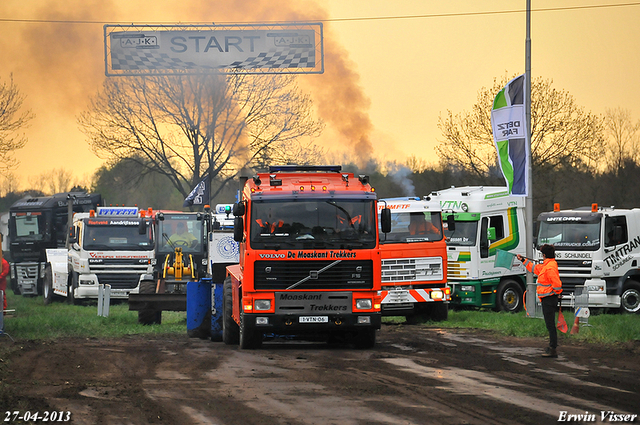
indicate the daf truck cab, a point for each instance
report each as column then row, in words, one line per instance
column 114, row 246
column 597, row 250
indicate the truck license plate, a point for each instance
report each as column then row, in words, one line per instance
column 314, row 319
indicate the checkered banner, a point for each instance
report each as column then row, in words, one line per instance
column 157, row 50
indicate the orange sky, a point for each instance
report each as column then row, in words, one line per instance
column 405, row 71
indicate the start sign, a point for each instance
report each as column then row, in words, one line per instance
column 184, row 49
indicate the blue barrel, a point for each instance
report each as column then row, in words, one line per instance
column 216, row 312
column 198, row 308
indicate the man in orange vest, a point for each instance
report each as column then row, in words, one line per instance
column 420, row 226
column 549, row 290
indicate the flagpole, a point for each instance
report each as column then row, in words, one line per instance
column 529, row 199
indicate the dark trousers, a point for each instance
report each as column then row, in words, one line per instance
column 549, row 307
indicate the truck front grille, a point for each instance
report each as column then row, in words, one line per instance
column 344, row 274
column 412, row 269
column 27, row 272
column 573, row 273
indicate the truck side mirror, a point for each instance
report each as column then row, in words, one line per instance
column 491, row 234
column 238, row 209
column 73, row 238
column 238, row 229
column 451, row 223
column 142, row 227
column 385, row 220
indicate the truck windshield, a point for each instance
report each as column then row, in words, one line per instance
column 313, row 223
column 578, row 236
column 180, row 231
column 124, row 237
column 464, row 235
column 29, row 226
column 414, row 227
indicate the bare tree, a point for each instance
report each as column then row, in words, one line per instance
column 11, row 121
column 416, row 165
column 189, row 127
column 291, row 152
column 562, row 133
column 623, row 139
column 57, row 180
column 8, row 183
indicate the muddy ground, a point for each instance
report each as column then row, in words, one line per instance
column 415, row 375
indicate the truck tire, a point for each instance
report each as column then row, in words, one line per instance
column 149, row 316
column 509, row 296
column 230, row 330
column 47, row 286
column 365, row 338
column 630, row 298
column 250, row 338
column 439, row 312
column 71, row 299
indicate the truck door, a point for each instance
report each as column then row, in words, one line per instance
column 615, row 231
column 496, row 222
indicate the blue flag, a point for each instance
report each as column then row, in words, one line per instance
column 199, row 195
column 508, row 120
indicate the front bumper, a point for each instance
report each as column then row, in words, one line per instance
column 291, row 323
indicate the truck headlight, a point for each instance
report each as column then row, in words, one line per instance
column 468, row 288
column 595, row 288
column 364, row 304
column 436, row 295
column 262, row 305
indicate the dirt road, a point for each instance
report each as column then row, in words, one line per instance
column 414, row 375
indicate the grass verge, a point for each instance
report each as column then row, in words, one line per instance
column 601, row 328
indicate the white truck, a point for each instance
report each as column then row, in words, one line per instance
column 597, row 250
column 478, row 221
column 114, row 245
column 414, row 260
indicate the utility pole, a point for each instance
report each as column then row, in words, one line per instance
column 531, row 287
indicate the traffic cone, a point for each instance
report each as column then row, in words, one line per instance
column 562, row 324
column 576, row 326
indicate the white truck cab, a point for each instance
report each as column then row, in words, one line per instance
column 597, row 250
column 114, row 245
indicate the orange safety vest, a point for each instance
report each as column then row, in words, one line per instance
column 422, row 228
column 548, row 282
column 354, row 220
column 271, row 227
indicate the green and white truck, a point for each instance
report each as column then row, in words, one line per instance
column 477, row 222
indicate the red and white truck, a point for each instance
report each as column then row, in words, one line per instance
column 414, row 260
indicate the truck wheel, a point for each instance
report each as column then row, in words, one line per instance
column 250, row 338
column 149, row 316
column 47, row 286
column 365, row 338
column 630, row 298
column 509, row 297
column 439, row 312
column 230, row 330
